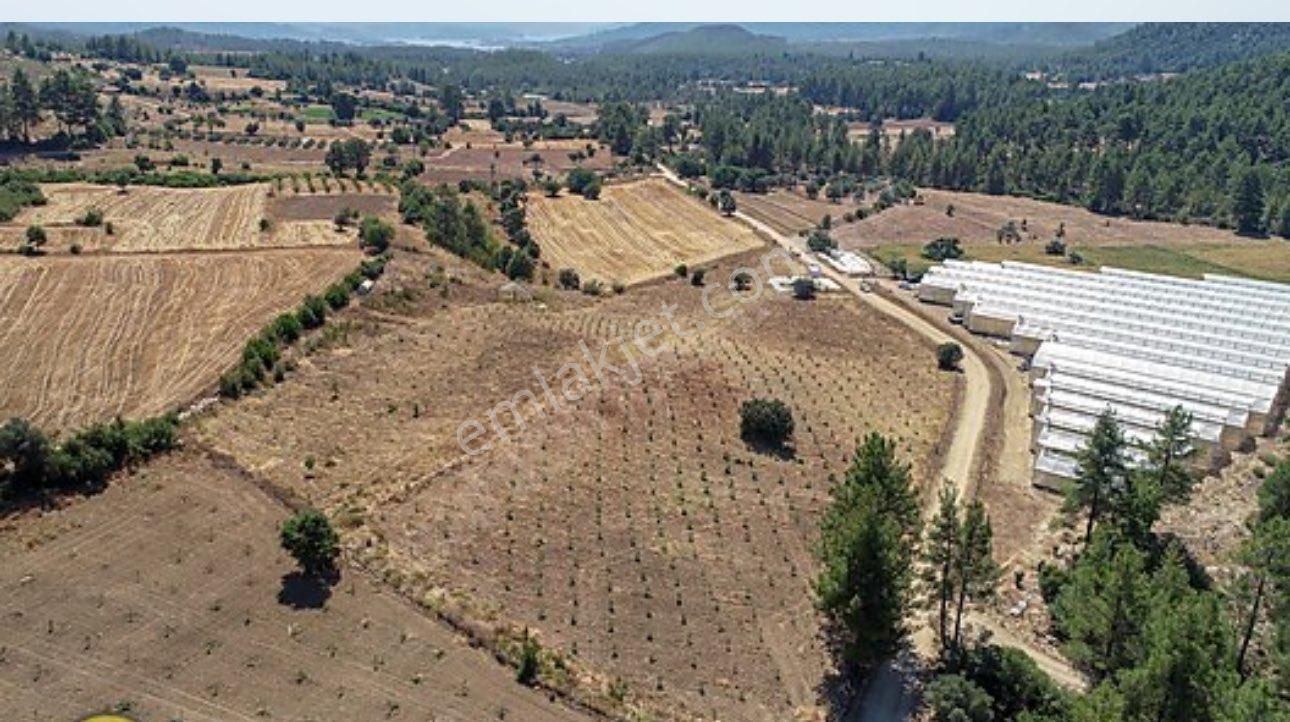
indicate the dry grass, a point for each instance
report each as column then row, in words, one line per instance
column 790, row 212
column 92, row 337
column 635, row 232
column 1184, row 250
column 630, row 528
column 168, row 595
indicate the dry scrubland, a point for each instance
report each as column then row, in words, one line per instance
column 203, row 620
column 631, row 529
column 1177, row 249
column 635, row 232
column 94, row 336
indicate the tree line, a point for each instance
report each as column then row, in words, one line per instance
column 1160, row 640
column 68, row 97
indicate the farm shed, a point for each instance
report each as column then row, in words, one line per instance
column 1137, row 343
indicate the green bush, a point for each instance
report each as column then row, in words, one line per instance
column 765, row 421
column 943, row 249
column 948, row 356
column 337, row 296
column 310, row 539
column 286, row 328
column 313, row 312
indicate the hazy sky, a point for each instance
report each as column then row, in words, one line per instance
column 677, row 10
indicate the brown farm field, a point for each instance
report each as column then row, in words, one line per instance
column 91, row 337
column 166, row 597
column 508, row 160
column 152, row 219
column 626, row 526
column 635, row 232
column 1184, row 250
column 789, row 212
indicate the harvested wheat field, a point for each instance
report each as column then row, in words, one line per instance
column 626, row 525
column 635, row 232
column 91, row 337
column 167, row 597
column 148, row 219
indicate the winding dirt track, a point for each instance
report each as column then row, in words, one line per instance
column 890, row 694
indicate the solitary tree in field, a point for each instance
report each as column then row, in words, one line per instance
column 765, row 421
column 726, row 203
column 948, row 356
column 309, row 538
column 36, row 238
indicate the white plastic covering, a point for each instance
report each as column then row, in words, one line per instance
column 1136, row 343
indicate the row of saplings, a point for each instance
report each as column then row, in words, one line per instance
column 262, row 356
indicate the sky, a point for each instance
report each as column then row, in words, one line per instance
column 655, row 10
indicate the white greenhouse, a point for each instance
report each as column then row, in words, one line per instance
column 1137, row 343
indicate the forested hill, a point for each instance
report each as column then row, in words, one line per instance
column 1173, row 48
column 1212, row 145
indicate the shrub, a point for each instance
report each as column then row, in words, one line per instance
column 681, row 270
column 765, row 421
column 374, row 234
column 264, row 225
column 820, row 241
column 260, row 351
column 337, row 296
column 592, row 190
column 286, row 328
column 696, row 278
column 36, row 237
column 743, row 281
column 526, row 672
column 93, row 217
column 803, row 288
column 1055, row 247
column 313, row 312
column 568, row 279
column 593, row 288
column 310, row 539
column 948, row 356
column 956, row 699
column 942, row 249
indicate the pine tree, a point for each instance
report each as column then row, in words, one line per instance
column 1247, row 201
column 25, row 105
column 1168, row 456
column 940, row 553
column 1101, row 609
column 866, row 548
column 1103, row 467
column 975, row 571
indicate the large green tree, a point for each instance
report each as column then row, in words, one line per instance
column 866, row 548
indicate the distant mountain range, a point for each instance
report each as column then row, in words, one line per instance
column 642, row 37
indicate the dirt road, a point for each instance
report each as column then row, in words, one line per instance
column 891, row 694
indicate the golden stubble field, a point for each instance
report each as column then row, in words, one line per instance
column 635, row 232
column 91, row 337
column 145, row 319
column 629, row 529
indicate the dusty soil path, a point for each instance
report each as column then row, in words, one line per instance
column 891, row 693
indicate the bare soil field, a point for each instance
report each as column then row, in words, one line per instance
column 167, row 597
column 626, row 526
column 92, row 337
column 1186, row 250
column 790, row 212
column 635, row 232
